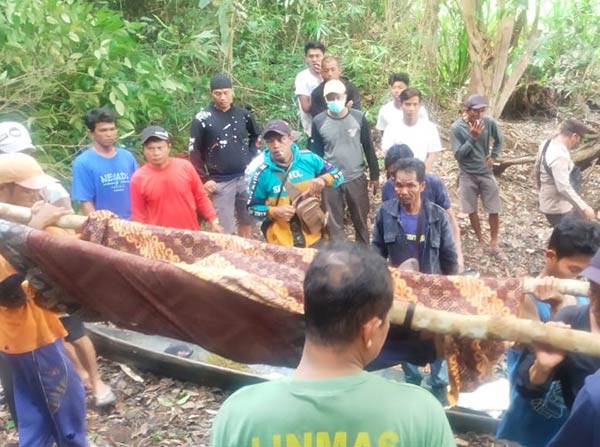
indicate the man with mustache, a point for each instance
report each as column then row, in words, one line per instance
column 270, row 200
column 167, row 191
column 410, row 227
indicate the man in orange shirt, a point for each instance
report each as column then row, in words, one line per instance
column 48, row 393
column 168, row 191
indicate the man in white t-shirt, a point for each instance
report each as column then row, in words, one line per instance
column 307, row 80
column 420, row 134
column 391, row 112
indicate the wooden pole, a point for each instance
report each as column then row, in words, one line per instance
column 20, row 214
column 441, row 322
column 508, row 328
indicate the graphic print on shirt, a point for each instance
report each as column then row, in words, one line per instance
column 324, row 438
column 115, row 181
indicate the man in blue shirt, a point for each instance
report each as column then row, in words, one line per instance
column 412, row 227
column 435, row 191
column 102, row 173
column 534, row 421
column 582, row 428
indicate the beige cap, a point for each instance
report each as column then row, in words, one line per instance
column 334, row 86
column 23, row 170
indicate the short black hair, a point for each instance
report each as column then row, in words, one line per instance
column 572, row 126
column 396, row 152
column 345, row 286
column 102, row 115
column 313, row 45
column 399, row 77
column 411, row 165
column 410, row 92
column 573, row 236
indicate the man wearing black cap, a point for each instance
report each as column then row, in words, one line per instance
column 168, row 191
column 472, row 136
column 554, row 170
column 288, row 171
column 222, row 143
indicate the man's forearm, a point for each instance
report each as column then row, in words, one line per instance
column 87, row 208
column 430, row 161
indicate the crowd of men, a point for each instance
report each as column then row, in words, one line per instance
column 302, row 197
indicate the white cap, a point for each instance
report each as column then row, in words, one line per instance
column 14, row 137
column 334, row 86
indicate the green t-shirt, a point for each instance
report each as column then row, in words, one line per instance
column 355, row 411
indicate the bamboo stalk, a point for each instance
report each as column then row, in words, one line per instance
column 507, row 328
column 20, row 214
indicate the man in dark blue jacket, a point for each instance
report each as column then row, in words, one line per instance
column 397, row 225
column 412, row 227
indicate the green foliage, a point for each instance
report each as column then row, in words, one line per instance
column 150, row 60
column 568, row 59
column 62, row 58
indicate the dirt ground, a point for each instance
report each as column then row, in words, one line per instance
column 163, row 412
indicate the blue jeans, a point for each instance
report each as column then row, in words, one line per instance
column 438, row 377
column 49, row 398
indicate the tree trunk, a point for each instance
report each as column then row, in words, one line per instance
column 584, row 157
column 499, row 58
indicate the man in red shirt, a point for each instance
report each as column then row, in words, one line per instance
column 168, row 191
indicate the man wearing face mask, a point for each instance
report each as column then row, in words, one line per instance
column 331, row 69
column 341, row 136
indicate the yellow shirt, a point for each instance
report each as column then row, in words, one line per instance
column 27, row 327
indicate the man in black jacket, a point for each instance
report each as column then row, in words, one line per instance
column 331, row 69
column 222, row 143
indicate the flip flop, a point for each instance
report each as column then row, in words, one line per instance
column 105, row 399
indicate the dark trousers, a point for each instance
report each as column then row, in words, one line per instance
column 355, row 195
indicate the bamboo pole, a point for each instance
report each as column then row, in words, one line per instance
column 20, row 214
column 509, row 328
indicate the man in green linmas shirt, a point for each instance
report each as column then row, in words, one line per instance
column 330, row 401
column 477, row 141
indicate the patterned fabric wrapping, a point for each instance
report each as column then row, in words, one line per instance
column 239, row 298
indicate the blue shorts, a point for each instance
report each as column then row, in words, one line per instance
column 49, row 398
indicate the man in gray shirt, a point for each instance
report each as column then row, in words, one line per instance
column 341, row 136
column 476, row 141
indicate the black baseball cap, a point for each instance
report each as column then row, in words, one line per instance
column 154, row 132
column 476, row 101
column 280, row 127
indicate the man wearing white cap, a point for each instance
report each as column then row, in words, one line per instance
column 341, row 136
column 14, row 138
column 48, row 393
